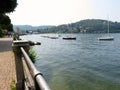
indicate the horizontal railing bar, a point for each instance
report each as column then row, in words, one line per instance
column 37, row 75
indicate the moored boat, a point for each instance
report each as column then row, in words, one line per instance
column 69, row 38
column 107, row 38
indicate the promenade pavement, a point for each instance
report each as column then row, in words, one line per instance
column 7, row 64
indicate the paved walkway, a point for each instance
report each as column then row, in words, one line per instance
column 7, row 64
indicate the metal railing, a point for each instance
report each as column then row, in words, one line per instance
column 40, row 83
column 28, row 77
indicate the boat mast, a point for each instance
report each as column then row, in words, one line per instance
column 108, row 25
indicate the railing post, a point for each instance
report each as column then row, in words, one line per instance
column 18, row 62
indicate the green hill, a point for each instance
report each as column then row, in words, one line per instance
column 87, row 26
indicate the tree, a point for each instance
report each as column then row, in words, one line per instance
column 1, row 33
column 5, row 22
column 7, row 6
column 4, row 19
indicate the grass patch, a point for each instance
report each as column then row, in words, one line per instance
column 13, row 85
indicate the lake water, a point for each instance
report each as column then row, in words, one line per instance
column 82, row 64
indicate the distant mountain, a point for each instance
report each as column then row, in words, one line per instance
column 88, row 26
column 29, row 27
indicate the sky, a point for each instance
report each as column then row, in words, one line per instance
column 57, row 12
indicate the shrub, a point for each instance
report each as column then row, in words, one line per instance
column 32, row 55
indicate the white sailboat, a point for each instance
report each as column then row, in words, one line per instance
column 108, row 37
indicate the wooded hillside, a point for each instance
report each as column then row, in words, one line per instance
column 87, row 26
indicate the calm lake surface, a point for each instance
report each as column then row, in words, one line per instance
column 82, row 64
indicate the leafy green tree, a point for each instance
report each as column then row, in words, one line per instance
column 7, row 6
column 5, row 22
column 10, row 27
column 4, row 19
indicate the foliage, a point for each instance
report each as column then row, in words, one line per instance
column 13, row 86
column 32, row 55
column 1, row 33
column 5, row 22
column 7, row 6
column 4, row 19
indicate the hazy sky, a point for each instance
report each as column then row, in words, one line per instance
column 56, row 12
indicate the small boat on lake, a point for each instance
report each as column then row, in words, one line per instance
column 69, row 38
column 107, row 38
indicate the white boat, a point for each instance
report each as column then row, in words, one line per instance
column 108, row 37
